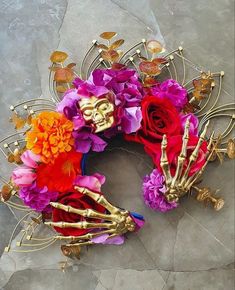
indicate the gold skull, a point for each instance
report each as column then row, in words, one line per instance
column 98, row 112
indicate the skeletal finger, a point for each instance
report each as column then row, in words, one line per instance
column 183, row 153
column 195, row 153
column 198, row 174
column 88, row 236
column 99, row 198
column 164, row 162
column 90, row 213
column 80, row 225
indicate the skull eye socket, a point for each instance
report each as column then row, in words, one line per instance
column 104, row 106
column 87, row 113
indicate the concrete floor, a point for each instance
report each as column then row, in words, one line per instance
column 191, row 248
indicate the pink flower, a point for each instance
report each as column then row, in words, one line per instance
column 93, row 182
column 23, row 176
column 30, row 159
column 193, row 129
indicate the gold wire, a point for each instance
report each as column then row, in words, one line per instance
column 168, row 68
column 15, row 207
column 174, row 68
column 34, row 100
column 183, row 64
column 16, row 226
column 130, row 49
column 204, row 106
column 34, row 250
column 84, row 58
column 36, row 245
column 55, row 97
column 90, row 66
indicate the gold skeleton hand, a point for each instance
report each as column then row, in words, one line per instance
column 181, row 183
column 115, row 223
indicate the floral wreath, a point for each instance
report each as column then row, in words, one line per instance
column 118, row 97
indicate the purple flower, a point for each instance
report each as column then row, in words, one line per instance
column 172, row 90
column 37, row 198
column 87, row 89
column 153, row 192
column 127, row 91
column 123, row 83
column 131, row 120
column 194, row 122
column 68, row 105
column 105, row 240
column 86, row 140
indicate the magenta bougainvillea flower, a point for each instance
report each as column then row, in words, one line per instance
column 173, row 91
column 153, row 192
column 194, row 122
column 127, row 95
column 37, row 198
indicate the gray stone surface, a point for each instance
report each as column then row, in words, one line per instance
column 189, row 248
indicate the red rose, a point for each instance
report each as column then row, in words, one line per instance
column 159, row 117
column 174, row 145
column 79, row 201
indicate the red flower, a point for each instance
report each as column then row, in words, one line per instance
column 174, row 145
column 79, row 201
column 59, row 176
column 159, row 117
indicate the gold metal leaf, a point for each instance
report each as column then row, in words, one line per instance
column 5, row 192
column 154, row 46
column 71, row 65
column 17, row 121
column 149, row 68
column 110, row 55
column 61, row 89
column 64, row 75
column 71, row 251
column 58, row 56
column 231, row 149
column 108, row 35
column 102, row 46
column 37, row 221
column 117, row 66
column 116, row 44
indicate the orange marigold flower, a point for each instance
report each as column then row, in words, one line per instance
column 51, row 134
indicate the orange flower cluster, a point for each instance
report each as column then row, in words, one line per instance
column 51, row 134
